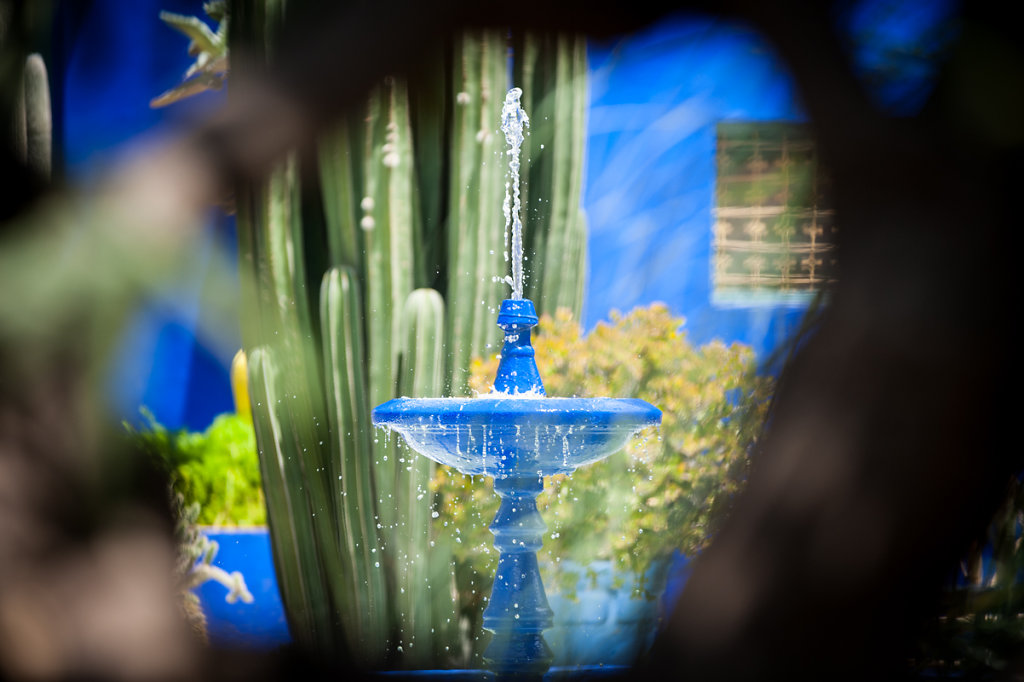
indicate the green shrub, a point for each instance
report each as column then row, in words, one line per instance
column 664, row 492
column 217, row 469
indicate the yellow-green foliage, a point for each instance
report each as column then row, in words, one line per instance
column 217, row 469
column 662, row 492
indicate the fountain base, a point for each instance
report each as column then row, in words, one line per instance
column 517, row 436
column 518, row 611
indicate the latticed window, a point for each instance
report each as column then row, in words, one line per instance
column 774, row 228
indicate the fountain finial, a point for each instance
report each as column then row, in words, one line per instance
column 517, row 370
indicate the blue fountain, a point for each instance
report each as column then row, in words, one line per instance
column 518, row 436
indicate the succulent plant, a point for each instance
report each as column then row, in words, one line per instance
column 209, row 47
column 404, row 194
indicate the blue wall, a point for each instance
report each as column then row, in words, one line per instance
column 112, row 57
column 655, row 100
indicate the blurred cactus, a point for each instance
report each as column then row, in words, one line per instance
column 38, row 118
column 552, row 71
column 32, row 119
column 474, row 207
column 400, row 202
column 421, row 374
column 348, row 411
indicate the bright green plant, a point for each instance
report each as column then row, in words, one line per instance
column 665, row 491
column 216, row 469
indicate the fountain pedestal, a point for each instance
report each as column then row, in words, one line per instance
column 517, row 436
column 518, row 611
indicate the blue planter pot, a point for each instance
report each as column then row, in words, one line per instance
column 260, row 624
column 606, row 624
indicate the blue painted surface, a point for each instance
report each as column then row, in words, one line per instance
column 119, row 56
column 655, row 99
column 165, row 364
column 111, row 58
column 260, row 624
column 517, row 369
column 607, row 623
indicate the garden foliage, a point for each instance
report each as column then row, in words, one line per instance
column 665, row 491
column 216, row 469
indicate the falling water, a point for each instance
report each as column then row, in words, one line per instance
column 513, row 120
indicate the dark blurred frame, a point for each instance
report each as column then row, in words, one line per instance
column 888, row 447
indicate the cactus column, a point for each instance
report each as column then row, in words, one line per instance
column 362, row 569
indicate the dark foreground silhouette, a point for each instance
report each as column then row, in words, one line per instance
column 886, row 452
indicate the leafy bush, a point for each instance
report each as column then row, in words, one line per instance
column 218, row 469
column 663, row 493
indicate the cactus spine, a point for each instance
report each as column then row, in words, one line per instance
column 404, row 204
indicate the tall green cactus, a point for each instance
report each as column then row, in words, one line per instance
column 553, row 72
column 419, row 570
column 344, row 357
column 475, row 241
column 361, row 566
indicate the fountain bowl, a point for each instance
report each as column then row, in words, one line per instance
column 507, row 436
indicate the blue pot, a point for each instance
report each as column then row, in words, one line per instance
column 604, row 625
column 607, row 624
column 260, row 624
